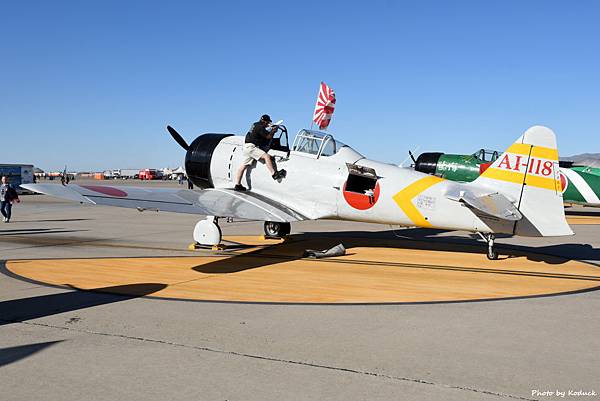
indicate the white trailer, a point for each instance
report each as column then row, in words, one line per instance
column 129, row 173
column 18, row 174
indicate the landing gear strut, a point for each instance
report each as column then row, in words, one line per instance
column 274, row 229
column 492, row 254
column 208, row 232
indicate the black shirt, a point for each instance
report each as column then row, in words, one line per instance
column 7, row 193
column 258, row 134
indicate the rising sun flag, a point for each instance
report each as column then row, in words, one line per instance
column 324, row 107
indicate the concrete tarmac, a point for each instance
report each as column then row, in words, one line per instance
column 57, row 344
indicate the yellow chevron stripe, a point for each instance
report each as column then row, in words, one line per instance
column 404, row 199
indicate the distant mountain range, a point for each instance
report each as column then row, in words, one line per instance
column 584, row 159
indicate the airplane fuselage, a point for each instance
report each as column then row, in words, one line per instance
column 329, row 187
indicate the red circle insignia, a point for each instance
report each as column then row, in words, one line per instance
column 105, row 190
column 564, row 182
column 361, row 201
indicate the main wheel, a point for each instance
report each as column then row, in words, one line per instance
column 492, row 254
column 207, row 233
column 276, row 229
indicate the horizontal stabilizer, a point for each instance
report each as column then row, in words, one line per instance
column 495, row 204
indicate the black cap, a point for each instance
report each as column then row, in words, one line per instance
column 265, row 117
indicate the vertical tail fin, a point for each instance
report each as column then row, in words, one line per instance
column 528, row 174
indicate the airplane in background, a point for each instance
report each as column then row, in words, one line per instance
column 580, row 185
column 519, row 194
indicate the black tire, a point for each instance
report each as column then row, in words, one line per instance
column 287, row 229
column 276, row 229
column 492, row 254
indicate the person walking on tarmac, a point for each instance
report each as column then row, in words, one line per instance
column 257, row 139
column 8, row 195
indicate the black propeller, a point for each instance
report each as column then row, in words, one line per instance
column 177, row 137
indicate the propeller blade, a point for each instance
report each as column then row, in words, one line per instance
column 177, row 137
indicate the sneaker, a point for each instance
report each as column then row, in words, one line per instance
column 279, row 174
column 239, row 187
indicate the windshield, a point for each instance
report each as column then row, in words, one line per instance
column 316, row 143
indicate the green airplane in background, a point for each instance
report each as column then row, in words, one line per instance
column 587, row 169
column 581, row 184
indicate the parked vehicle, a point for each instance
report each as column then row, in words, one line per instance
column 149, row 174
column 129, row 173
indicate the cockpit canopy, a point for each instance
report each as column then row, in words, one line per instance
column 316, row 143
column 486, row 155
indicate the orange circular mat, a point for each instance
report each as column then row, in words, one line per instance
column 372, row 271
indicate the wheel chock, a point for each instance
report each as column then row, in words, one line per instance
column 195, row 246
column 266, row 237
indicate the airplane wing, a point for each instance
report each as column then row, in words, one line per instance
column 210, row 202
column 493, row 204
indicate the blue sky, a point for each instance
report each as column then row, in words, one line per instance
column 93, row 84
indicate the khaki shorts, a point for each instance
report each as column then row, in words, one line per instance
column 251, row 153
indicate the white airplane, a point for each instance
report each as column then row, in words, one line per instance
column 520, row 194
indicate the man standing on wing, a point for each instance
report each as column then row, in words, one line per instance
column 257, row 139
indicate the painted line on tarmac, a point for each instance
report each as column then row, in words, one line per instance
column 282, row 360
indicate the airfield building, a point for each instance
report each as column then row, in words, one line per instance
column 17, row 174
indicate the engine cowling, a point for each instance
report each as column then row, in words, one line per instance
column 427, row 162
column 199, row 157
column 463, row 168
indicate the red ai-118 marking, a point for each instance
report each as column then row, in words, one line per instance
column 519, row 163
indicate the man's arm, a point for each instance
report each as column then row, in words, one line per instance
column 14, row 196
column 267, row 134
column 272, row 131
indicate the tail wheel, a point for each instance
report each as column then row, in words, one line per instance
column 276, row 229
column 492, row 254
